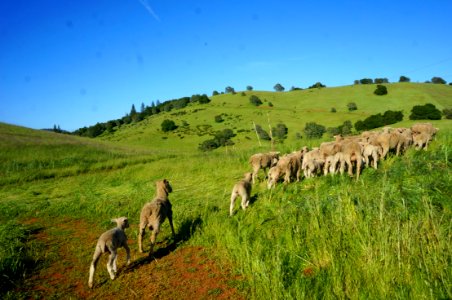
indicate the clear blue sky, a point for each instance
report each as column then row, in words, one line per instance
column 76, row 63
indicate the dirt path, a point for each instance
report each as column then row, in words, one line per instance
column 184, row 272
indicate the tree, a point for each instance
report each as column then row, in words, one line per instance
column 215, row 93
column 352, row 106
column 229, row 90
column 249, row 88
column 366, row 81
column 133, row 111
column 380, row 90
column 314, row 130
column 168, row 125
column 425, row 112
column 279, row 88
column 255, row 100
column 143, row 108
column 404, row 79
column 317, row 85
column 438, row 80
column 381, row 80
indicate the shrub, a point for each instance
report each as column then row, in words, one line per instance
column 219, row 119
column 221, row 138
column 447, row 112
column 314, row 130
column 168, row 125
column 352, row 106
column 380, row 90
column 262, row 133
column 255, row 100
column 425, row 112
column 270, row 104
column 317, row 85
column 280, row 131
column 333, row 110
column 379, row 120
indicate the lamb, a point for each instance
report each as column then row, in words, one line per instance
column 371, row 151
column 289, row 165
column 154, row 213
column 242, row 189
column 263, row 161
column 109, row 242
column 312, row 163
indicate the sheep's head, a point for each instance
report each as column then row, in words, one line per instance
column 121, row 222
column 164, row 185
column 248, row 176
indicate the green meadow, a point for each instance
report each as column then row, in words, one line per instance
column 386, row 235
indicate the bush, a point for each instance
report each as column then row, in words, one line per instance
column 255, row 100
column 379, row 120
column 280, row 131
column 219, row 119
column 352, row 106
column 425, row 112
column 262, row 133
column 381, row 90
column 314, row 130
column 168, row 125
column 221, row 138
column 333, row 110
column 447, row 112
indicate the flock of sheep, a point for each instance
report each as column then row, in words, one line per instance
column 350, row 153
column 331, row 157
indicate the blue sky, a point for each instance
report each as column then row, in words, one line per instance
column 76, row 63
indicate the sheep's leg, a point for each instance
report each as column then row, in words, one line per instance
column 110, row 265
column 170, row 220
column 154, row 233
column 244, row 201
column 141, row 234
column 128, row 253
column 231, row 207
column 375, row 158
column 92, row 268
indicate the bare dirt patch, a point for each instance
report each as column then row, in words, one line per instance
column 175, row 272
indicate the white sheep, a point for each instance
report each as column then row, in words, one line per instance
column 109, row 242
column 242, row 189
column 154, row 213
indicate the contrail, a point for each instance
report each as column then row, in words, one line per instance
column 148, row 7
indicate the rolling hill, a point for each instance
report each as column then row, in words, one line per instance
column 294, row 109
column 386, row 235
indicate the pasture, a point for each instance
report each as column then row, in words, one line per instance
column 386, row 235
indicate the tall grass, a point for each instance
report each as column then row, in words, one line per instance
column 385, row 236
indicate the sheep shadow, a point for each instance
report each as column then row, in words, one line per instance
column 186, row 230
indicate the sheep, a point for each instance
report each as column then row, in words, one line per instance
column 263, row 161
column 154, row 213
column 242, row 189
column 371, row 151
column 351, row 151
column 421, row 140
column 424, row 128
column 109, row 242
column 313, row 161
column 289, row 165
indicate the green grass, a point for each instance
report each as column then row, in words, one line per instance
column 386, row 235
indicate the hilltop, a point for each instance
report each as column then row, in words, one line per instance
column 294, row 109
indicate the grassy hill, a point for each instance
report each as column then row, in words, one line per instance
column 386, row 235
column 294, row 109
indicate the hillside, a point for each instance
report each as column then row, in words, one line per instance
column 384, row 236
column 294, row 109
